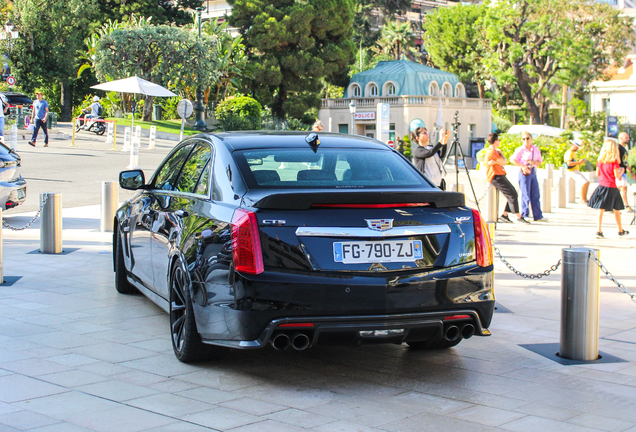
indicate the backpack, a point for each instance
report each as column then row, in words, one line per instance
column 99, row 110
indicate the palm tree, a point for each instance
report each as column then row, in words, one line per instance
column 396, row 37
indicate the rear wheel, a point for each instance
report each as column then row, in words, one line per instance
column 77, row 125
column 432, row 344
column 121, row 280
column 100, row 129
column 186, row 341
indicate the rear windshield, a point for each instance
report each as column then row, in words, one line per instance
column 335, row 168
column 19, row 100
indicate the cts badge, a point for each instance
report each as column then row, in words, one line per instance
column 462, row 219
column 380, row 224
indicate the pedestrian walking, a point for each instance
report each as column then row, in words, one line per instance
column 496, row 175
column 528, row 158
column 573, row 164
column 606, row 197
column 621, row 183
column 427, row 157
column 39, row 116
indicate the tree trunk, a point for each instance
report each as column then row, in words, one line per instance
column 66, row 102
column 277, row 106
column 564, row 104
column 526, row 94
column 147, row 115
column 480, row 88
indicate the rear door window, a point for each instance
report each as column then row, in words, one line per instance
column 193, row 169
column 167, row 174
column 335, row 168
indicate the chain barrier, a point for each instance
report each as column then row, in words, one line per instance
column 526, row 275
column 37, row 215
column 480, row 199
column 611, row 277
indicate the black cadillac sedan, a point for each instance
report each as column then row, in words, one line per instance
column 295, row 239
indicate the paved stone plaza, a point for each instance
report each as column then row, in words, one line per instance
column 77, row 356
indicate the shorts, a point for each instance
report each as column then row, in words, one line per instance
column 622, row 182
column 578, row 177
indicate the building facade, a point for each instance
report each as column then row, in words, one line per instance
column 415, row 94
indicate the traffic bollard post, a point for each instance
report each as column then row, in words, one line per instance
column 571, row 191
column 546, row 196
column 491, row 205
column 110, row 203
column 127, row 137
column 561, row 191
column 579, row 305
column 152, row 137
column 51, row 223
column 109, row 133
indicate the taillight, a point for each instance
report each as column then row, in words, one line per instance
column 483, row 247
column 246, row 243
column 372, row 205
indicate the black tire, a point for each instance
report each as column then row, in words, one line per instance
column 432, row 344
column 77, row 126
column 186, row 341
column 121, row 281
column 100, row 129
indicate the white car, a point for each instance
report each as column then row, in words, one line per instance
column 12, row 185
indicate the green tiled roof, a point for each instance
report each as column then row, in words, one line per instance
column 410, row 78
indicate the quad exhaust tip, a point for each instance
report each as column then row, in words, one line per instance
column 280, row 341
column 468, row 331
column 299, row 341
column 452, row 333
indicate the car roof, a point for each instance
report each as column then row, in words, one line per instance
column 267, row 139
column 6, row 93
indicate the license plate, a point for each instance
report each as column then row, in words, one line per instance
column 377, row 251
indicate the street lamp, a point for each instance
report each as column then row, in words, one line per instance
column 199, row 108
column 9, row 34
column 352, row 110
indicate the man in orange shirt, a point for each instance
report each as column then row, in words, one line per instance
column 496, row 176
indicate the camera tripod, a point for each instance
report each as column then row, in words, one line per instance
column 458, row 152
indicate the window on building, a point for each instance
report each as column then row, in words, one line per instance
column 433, row 89
column 390, row 90
column 343, row 128
column 355, row 89
column 447, row 91
column 369, row 127
column 373, row 90
column 472, row 131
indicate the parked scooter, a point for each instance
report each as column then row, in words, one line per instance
column 98, row 127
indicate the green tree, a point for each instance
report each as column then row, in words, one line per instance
column 451, row 37
column 292, row 46
column 166, row 55
column 161, row 11
column 540, row 44
column 50, row 37
column 369, row 18
column 396, row 38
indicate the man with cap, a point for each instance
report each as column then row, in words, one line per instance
column 40, row 113
column 573, row 164
column 621, row 183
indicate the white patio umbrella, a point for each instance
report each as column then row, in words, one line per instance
column 135, row 85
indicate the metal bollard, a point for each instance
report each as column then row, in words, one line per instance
column 151, row 137
column 561, row 191
column 110, row 203
column 14, row 136
column 579, row 305
column 51, row 223
column 549, row 168
column 571, row 191
column 546, row 196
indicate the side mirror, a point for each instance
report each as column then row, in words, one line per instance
column 132, row 180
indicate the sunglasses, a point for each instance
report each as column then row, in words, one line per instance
column 423, row 133
column 526, row 138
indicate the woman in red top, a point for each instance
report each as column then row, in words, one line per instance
column 606, row 197
column 496, row 176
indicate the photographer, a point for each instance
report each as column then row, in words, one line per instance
column 427, row 157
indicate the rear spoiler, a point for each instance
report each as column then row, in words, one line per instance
column 273, row 200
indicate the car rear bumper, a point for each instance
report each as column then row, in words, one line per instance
column 337, row 309
column 357, row 330
column 13, row 193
